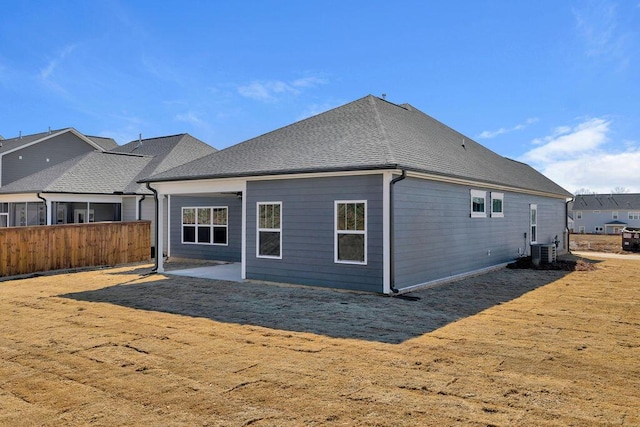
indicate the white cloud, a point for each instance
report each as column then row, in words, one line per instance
column 190, row 117
column 582, row 156
column 51, row 66
column 597, row 24
column 487, row 134
column 268, row 91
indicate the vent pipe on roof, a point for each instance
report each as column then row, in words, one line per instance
column 20, row 135
column 384, row 96
column 49, row 130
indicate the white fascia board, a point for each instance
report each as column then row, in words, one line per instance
column 479, row 184
column 19, row 198
column 81, row 198
column 200, row 186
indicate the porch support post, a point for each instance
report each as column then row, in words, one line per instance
column 160, row 234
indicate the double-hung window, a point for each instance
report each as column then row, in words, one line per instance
column 614, row 215
column 351, row 232
column 497, row 205
column 205, row 225
column 4, row 214
column 634, row 215
column 533, row 209
column 478, row 204
column 269, row 235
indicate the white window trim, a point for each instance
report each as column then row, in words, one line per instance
column 533, row 207
column 497, row 196
column 5, row 214
column 478, row 194
column 196, row 225
column 336, row 232
column 634, row 215
column 578, row 214
column 258, row 230
column 615, row 215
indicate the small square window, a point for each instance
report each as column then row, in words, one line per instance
column 497, row 205
column 478, row 208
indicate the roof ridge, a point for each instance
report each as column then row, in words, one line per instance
column 389, row 157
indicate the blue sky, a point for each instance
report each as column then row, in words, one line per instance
column 555, row 84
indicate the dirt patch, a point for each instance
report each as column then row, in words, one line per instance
column 512, row 347
column 562, row 264
column 597, row 243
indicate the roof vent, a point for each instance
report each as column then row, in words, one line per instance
column 384, row 96
column 20, row 135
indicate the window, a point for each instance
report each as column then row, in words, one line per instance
column 206, row 225
column 4, row 214
column 634, row 215
column 578, row 214
column 533, row 209
column 478, row 204
column 269, row 236
column 614, row 215
column 351, row 232
column 497, row 205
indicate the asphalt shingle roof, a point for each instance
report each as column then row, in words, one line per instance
column 369, row 133
column 13, row 143
column 91, row 173
column 112, row 171
column 167, row 152
column 605, row 202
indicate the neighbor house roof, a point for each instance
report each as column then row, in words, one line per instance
column 605, row 202
column 11, row 144
column 167, row 152
column 112, row 171
column 96, row 172
column 369, row 133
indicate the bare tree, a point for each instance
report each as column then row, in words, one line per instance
column 619, row 190
column 583, row 191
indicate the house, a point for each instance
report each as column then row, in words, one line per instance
column 604, row 213
column 97, row 185
column 369, row 196
column 28, row 154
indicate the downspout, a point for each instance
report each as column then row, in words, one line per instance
column 140, row 206
column 155, row 198
column 566, row 223
column 391, row 223
column 45, row 208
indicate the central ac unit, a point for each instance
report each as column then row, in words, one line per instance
column 543, row 254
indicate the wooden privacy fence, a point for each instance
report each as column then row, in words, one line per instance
column 25, row 250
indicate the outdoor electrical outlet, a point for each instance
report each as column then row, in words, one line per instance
column 489, row 252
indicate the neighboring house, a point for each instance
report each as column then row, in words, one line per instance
column 369, row 196
column 28, row 154
column 604, row 213
column 98, row 185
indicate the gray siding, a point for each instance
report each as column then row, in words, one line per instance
column 129, row 209
column 435, row 236
column 592, row 219
column 34, row 158
column 232, row 252
column 308, row 232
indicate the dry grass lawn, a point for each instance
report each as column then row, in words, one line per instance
column 566, row 353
